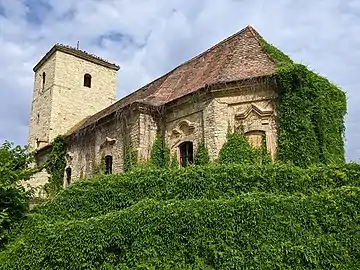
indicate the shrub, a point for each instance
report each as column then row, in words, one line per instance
column 202, row 155
column 160, row 154
column 236, row 150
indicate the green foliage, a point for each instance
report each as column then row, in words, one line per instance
column 81, row 199
column 202, row 155
column 311, row 114
column 236, row 150
column 250, row 231
column 174, row 164
column 160, row 154
column 55, row 166
column 130, row 159
column 14, row 199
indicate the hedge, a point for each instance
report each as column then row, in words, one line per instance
column 251, row 231
column 89, row 198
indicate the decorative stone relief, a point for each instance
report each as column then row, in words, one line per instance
column 253, row 118
column 184, row 127
column 182, row 131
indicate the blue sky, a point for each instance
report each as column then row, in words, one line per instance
column 149, row 37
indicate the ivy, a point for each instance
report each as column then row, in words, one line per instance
column 55, row 166
column 160, row 154
column 174, row 164
column 130, row 159
column 311, row 113
column 202, row 155
column 236, row 150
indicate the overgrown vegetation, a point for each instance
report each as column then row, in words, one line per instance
column 14, row 198
column 202, row 155
column 55, row 166
column 240, row 212
column 130, row 159
column 160, row 154
column 213, row 217
column 311, row 114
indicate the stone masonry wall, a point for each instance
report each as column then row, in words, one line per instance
column 40, row 115
column 72, row 101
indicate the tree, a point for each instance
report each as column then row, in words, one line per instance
column 14, row 198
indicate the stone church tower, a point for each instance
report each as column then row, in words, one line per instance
column 69, row 86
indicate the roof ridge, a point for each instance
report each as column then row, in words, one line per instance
column 248, row 27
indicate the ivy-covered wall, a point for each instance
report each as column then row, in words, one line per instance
column 311, row 113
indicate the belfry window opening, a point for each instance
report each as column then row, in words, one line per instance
column 87, row 80
column 43, row 81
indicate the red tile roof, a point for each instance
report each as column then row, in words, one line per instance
column 236, row 58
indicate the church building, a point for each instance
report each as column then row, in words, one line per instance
column 225, row 87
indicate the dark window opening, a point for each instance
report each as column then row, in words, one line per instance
column 68, row 176
column 38, row 118
column 186, row 153
column 108, row 164
column 87, row 80
column 43, row 80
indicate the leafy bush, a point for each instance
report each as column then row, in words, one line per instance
column 236, row 150
column 160, row 154
column 81, row 199
column 250, row 231
column 202, row 155
column 130, row 159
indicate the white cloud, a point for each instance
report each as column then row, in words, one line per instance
column 157, row 35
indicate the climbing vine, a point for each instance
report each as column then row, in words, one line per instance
column 55, row 166
column 311, row 114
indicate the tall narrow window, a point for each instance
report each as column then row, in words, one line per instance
column 38, row 118
column 68, row 176
column 43, row 80
column 186, row 153
column 108, row 164
column 87, row 80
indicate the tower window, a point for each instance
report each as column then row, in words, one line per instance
column 38, row 118
column 87, row 80
column 68, row 176
column 43, row 80
column 108, row 164
column 186, row 153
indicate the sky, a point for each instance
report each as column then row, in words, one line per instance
column 147, row 38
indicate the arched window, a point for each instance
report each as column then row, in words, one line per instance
column 87, row 80
column 68, row 176
column 43, row 80
column 186, row 153
column 108, row 164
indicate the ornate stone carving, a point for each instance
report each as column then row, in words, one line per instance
column 184, row 127
column 253, row 118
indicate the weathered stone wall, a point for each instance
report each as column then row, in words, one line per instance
column 64, row 100
column 40, row 115
column 72, row 101
column 87, row 148
column 248, row 107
